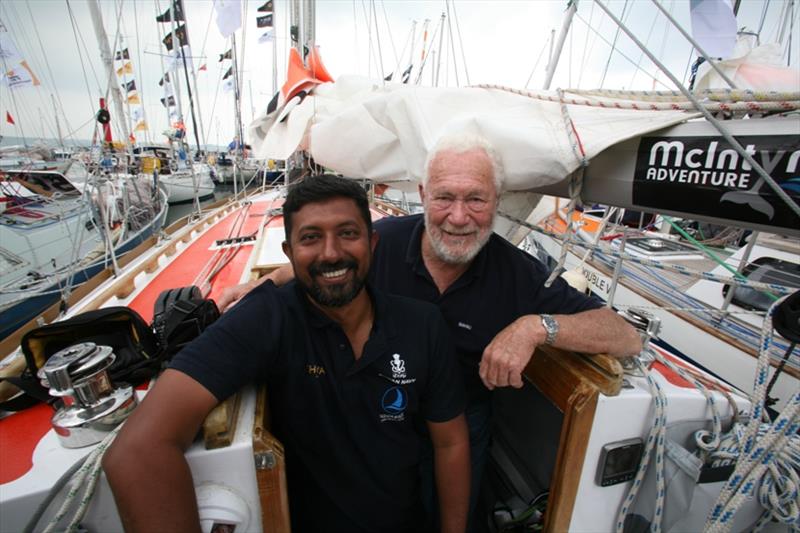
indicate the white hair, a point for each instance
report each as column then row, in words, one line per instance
column 460, row 144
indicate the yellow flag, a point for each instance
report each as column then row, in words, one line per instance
column 141, row 126
column 134, row 98
column 127, row 68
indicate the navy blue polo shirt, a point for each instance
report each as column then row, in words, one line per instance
column 502, row 284
column 351, row 429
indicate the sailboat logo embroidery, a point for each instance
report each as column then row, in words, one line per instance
column 394, row 403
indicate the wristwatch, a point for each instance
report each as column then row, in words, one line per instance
column 551, row 327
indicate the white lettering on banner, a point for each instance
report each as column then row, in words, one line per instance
column 733, row 180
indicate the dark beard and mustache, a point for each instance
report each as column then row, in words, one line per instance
column 333, row 295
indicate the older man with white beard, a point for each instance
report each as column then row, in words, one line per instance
column 491, row 294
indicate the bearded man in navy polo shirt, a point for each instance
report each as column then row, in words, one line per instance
column 492, row 294
column 353, row 375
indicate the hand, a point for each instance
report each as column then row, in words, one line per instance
column 231, row 295
column 509, row 352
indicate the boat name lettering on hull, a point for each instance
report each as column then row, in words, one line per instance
column 706, row 176
column 595, row 280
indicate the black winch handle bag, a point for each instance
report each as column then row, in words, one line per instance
column 139, row 354
column 180, row 315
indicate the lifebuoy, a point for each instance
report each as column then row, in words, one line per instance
column 103, row 116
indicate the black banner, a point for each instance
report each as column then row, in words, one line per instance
column 706, row 176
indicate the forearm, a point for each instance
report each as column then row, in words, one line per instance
column 596, row 331
column 153, row 488
column 452, row 470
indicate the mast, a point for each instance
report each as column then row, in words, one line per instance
column 108, row 62
column 562, row 36
column 58, row 124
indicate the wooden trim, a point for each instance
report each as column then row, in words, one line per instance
column 219, row 426
column 573, row 382
column 270, row 461
column 574, row 440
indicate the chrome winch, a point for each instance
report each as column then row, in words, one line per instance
column 648, row 326
column 92, row 407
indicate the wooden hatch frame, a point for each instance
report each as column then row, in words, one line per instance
column 573, row 383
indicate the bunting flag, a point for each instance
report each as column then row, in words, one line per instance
column 407, row 74
column 20, row 76
column 180, row 32
column 164, row 79
column 229, row 16
column 266, row 8
column 714, row 26
column 122, row 55
column 136, row 114
column 169, row 101
column 227, row 85
column 267, row 37
column 8, row 50
column 202, row 68
column 226, row 55
column 129, row 86
column 228, row 74
column 264, row 21
column 9, row 118
column 140, row 126
column 176, row 10
column 133, row 99
column 127, row 68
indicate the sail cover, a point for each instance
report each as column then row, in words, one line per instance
column 383, row 131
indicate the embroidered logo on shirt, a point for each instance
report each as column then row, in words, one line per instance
column 465, row 326
column 394, row 403
column 398, row 367
column 315, row 370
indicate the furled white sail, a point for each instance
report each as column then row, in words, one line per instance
column 383, row 131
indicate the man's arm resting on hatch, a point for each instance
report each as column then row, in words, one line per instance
column 280, row 276
column 594, row 331
column 451, row 464
column 146, row 467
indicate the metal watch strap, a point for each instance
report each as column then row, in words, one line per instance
column 551, row 327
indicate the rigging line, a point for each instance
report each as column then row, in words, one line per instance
column 141, row 75
column 696, row 45
column 717, row 124
column 538, row 58
column 403, row 52
column 21, row 112
column 641, row 54
column 452, row 42
column 355, row 34
column 763, row 18
column 585, row 48
column 75, row 34
column 389, row 29
column 460, row 43
column 613, row 46
column 631, row 61
column 378, row 39
column 207, row 131
column 47, row 62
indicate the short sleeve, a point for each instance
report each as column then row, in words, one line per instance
column 239, row 347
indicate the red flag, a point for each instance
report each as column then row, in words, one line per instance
column 9, row 118
column 202, row 67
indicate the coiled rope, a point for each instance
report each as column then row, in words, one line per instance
column 765, row 103
column 770, row 460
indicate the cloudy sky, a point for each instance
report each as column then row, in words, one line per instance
column 500, row 42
